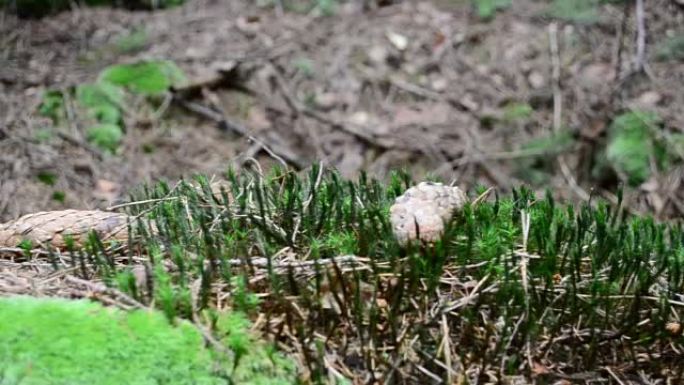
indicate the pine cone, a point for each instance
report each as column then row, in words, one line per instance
column 430, row 206
column 52, row 228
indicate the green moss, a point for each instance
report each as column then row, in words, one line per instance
column 671, row 48
column 133, row 41
column 486, row 9
column 587, row 267
column 147, row 77
column 52, row 106
column 106, row 136
column 47, row 177
column 57, row 341
column 575, row 11
column 632, row 147
column 517, row 111
column 50, row 341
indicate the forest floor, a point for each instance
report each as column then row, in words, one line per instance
column 425, row 86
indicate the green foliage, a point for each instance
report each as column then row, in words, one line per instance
column 106, row 136
column 575, row 11
column 676, row 143
column 255, row 363
column 44, row 135
column 517, row 111
column 131, row 42
column 26, row 245
column 551, row 144
column 148, row 77
column 98, row 94
column 327, row 7
column 245, row 301
column 671, row 48
column 77, row 342
column 486, row 9
column 105, row 100
column 59, row 196
column 47, row 177
column 52, row 106
column 631, row 147
column 305, row 66
column 324, row 7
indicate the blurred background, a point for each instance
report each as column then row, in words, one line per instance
column 579, row 97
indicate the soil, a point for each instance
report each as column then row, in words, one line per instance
column 424, row 86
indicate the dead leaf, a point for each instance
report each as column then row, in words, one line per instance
column 438, row 38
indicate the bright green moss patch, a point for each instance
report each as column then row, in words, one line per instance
column 50, row 341
column 56, row 341
column 146, row 77
column 101, row 105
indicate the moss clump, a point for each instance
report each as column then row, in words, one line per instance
column 48, row 341
column 52, row 341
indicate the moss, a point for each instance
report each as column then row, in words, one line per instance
column 50, row 341
column 56, row 341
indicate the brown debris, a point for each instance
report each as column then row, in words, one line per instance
column 51, row 228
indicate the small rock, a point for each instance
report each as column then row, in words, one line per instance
column 399, row 42
column 468, row 101
column 649, row 99
column 377, row 54
column 326, row 100
column 361, row 118
column 427, row 205
column 439, row 84
column 536, row 80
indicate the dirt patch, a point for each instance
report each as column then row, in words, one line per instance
column 418, row 85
